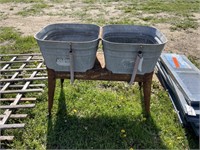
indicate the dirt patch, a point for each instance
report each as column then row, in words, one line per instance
column 31, row 25
column 182, row 42
column 11, row 9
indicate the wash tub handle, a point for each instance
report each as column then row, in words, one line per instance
column 71, row 58
column 137, row 66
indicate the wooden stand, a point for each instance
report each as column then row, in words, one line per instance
column 99, row 72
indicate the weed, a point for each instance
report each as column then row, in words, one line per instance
column 3, row 16
column 194, row 59
column 34, row 10
column 181, row 9
column 20, row 1
column 12, row 42
column 184, row 24
column 8, row 34
column 89, row 1
column 57, row 1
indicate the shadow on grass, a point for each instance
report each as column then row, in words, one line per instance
column 102, row 132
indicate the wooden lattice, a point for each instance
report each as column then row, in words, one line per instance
column 18, row 75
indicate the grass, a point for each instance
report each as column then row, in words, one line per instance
column 20, row 1
column 95, row 115
column 103, row 115
column 180, row 13
column 179, row 7
column 194, row 59
column 186, row 23
column 181, row 10
column 12, row 42
column 29, row 1
column 35, row 9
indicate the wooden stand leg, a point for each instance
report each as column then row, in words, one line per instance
column 147, row 92
column 51, row 89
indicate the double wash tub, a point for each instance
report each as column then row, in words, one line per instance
column 121, row 46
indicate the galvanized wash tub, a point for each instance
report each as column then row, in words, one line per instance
column 58, row 41
column 123, row 43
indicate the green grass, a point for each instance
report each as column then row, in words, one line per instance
column 8, row 34
column 182, row 10
column 194, row 60
column 186, row 23
column 35, row 9
column 29, row 1
column 20, row 1
column 91, row 115
column 12, row 42
column 179, row 13
column 179, row 7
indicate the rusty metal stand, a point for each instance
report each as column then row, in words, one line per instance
column 99, row 72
